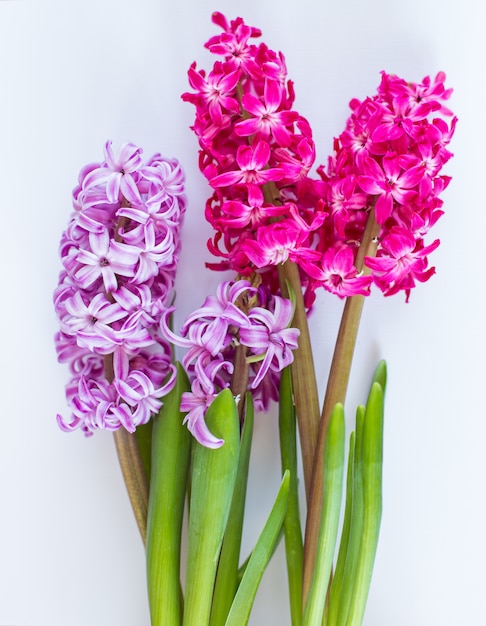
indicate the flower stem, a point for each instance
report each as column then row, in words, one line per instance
column 336, row 393
column 131, row 465
column 239, row 381
column 134, row 476
column 241, row 372
column 304, row 382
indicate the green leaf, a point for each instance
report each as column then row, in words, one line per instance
column 227, row 576
column 380, row 375
column 331, row 508
column 170, row 461
column 255, row 358
column 213, row 480
column 260, row 556
column 143, row 435
column 372, row 500
column 338, row 578
column 291, row 295
column 356, row 527
column 292, row 528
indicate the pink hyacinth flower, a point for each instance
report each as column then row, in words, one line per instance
column 402, row 261
column 339, row 275
column 266, row 118
column 390, row 183
column 253, row 170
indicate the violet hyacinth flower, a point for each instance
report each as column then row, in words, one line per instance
column 239, row 315
column 119, row 255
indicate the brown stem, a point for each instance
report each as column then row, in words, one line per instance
column 335, row 392
column 134, row 476
column 239, row 380
column 304, row 382
column 241, row 371
column 131, row 465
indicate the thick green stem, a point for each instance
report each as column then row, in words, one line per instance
column 335, row 393
column 170, row 468
column 294, row 545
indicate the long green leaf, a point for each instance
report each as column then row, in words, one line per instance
column 338, row 578
column 294, row 549
column 331, row 508
column 380, row 375
column 227, row 575
column 213, row 480
column 260, row 556
column 356, row 525
column 143, row 435
column 372, row 499
column 170, row 461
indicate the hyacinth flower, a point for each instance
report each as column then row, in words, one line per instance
column 256, row 154
column 382, row 186
column 119, row 255
column 211, row 334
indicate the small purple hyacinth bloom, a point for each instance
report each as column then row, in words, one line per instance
column 239, row 315
column 270, row 337
column 119, row 255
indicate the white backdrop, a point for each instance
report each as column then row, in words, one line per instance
column 73, row 74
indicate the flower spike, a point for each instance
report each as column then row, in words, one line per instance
column 119, row 254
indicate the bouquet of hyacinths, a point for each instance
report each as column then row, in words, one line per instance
column 184, row 430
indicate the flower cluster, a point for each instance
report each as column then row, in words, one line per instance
column 386, row 162
column 238, row 316
column 256, row 153
column 119, row 256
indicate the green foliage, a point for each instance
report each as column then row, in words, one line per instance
column 171, row 446
column 213, row 480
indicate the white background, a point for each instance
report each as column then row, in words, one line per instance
column 73, row 74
